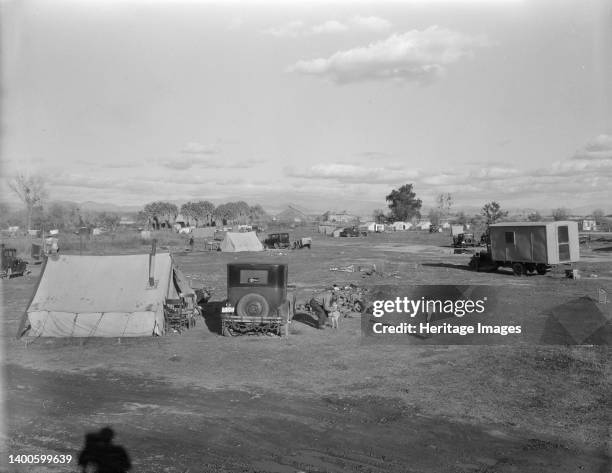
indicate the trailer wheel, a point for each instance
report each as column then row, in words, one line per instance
column 518, row 269
column 541, row 269
column 530, row 268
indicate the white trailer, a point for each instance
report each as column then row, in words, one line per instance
column 533, row 246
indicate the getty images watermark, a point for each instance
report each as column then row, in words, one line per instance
column 476, row 315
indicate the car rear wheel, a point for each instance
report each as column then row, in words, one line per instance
column 253, row 305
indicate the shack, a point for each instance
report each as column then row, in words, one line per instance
column 534, row 244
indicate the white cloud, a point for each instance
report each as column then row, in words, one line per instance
column 370, row 23
column 198, row 148
column 415, row 56
column 330, row 26
column 343, row 173
column 296, row 28
column 293, row 29
column 598, row 148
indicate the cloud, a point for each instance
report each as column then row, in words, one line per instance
column 297, row 28
column 330, row 26
column 198, row 148
column 415, row 56
column 293, row 29
column 598, row 148
column 350, row 173
column 370, row 23
column 582, row 179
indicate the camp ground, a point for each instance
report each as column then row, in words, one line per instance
column 319, row 399
column 103, row 296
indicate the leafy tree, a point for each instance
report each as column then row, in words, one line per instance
column 224, row 214
column 31, row 191
column 534, row 217
column 403, row 204
column 161, row 214
column 257, row 214
column 492, row 212
column 241, row 212
column 202, row 211
column 560, row 214
column 107, row 220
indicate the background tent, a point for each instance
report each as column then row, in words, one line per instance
column 102, row 296
column 241, row 242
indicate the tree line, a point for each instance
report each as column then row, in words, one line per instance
column 202, row 213
column 404, row 206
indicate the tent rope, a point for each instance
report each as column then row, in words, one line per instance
column 95, row 328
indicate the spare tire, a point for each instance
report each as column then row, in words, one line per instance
column 253, row 305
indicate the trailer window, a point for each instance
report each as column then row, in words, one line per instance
column 510, row 238
column 563, row 239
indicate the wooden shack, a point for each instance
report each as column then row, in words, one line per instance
column 546, row 243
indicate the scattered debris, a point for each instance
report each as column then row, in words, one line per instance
column 347, row 269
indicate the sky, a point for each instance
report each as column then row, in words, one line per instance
column 327, row 105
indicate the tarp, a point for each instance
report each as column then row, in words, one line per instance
column 204, row 232
column 103, row 296
column 241, row 242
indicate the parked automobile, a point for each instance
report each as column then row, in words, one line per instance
column 350, row 232
column 277, row 240
column 256, row 299
column 10, row 264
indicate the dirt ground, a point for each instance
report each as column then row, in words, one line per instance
column 323, row 401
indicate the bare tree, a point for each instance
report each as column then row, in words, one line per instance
column 445, row 202
column 598, row 215
column 31, row 191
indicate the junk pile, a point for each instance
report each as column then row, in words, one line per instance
column 351, row 298
column 367, row 270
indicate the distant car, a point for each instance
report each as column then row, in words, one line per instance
column 256, row 299
column 277, row 240
column 10, row 264
column 464, row 239
column 350, row 232
column 305, row 242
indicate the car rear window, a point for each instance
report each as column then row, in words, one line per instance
column 254, row 276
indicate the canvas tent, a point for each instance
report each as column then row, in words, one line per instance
column 234, row 242
column 102, row 296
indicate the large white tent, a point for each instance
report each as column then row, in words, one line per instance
column 103, row 296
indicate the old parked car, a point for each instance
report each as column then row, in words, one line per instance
column 10, row 264
column 257, row 299
column 350, row 232
column 277, row 240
